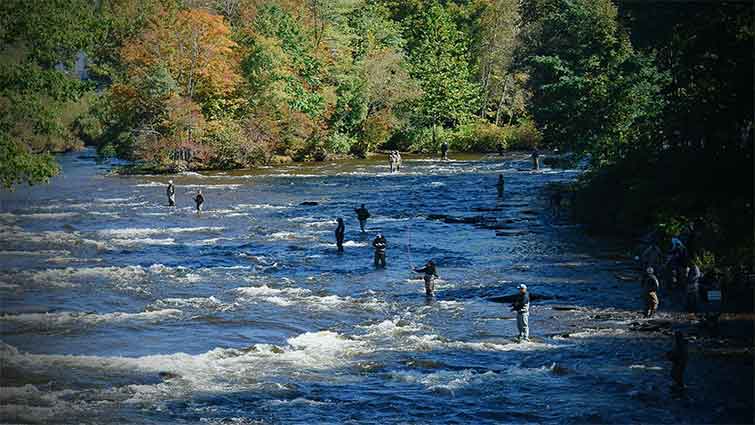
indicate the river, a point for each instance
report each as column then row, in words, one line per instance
column 119, row 309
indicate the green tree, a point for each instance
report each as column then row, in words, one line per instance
column 440, row 64
column 592, row 92
column 35, row 97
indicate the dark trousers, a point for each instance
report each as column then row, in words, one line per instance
column 379, row 258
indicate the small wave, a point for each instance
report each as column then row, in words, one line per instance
column 46, row 321
column 142, row 232
column 39, row 216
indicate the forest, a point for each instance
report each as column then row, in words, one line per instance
column 658, row 99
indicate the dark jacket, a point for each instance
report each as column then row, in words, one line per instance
column 650, row 283
column 340, row 230
column 380, row 243
column 362, row 213
column 199, row 199
column 429, row 269
column 171, row 190
column 522, row 303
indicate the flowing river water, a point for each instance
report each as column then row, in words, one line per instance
column 118, row 309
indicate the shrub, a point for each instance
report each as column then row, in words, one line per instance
column 478, row 136
column 523, row 136
column 339, row 143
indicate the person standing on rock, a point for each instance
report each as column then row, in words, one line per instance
column 431, row 273
column 535, row 160
column 340, row 233
column 199, row 200
column 171, row 192
column 522, row 307
column 362, row 216
column 693, row 286
column 678, row 355
column 500, row 185
column 379, row 244
column 650, row 288
column 652, row 256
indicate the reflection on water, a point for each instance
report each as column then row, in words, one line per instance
column 117, row 308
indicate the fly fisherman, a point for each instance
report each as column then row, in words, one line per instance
column 431, row 273
column 199, row 200
column 340, row 231
column 535, row 160
column 652, row 256
column 398, row 161
column 171, row 192
column 393, row 160
column 650, row 288
column 693, row 286
column 500, row 185
column 362, row 215
column 522, row 308
column 379, row 244
column 444, row 151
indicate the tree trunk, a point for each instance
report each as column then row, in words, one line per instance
column 500, row 103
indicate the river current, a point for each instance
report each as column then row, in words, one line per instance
column 119, row 309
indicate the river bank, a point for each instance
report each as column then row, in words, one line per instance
column 119, row 309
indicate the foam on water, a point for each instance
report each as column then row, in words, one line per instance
column 47, row 321
column 143, row 232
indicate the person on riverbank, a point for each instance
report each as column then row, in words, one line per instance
column 431, row 273
column 535, row 160
column 171, row 192
column 444, row 151
column 340, row 233
column 651, row 257
column 199, row 200
column 677, row 259
column 362, row 216
column 650, row 288
column 500, row 185
column 678, row 355
column 522, row 307
column 379, row 243
column 693, row 286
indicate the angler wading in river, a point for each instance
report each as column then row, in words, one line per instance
column 199, row 200
column 522, row 307
column 431, row 273
column 362, row 216
column 379, row 243
column 340, row 231
column 171, row 192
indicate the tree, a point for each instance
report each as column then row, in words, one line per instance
column 440, row 65
column 501, row 87
column 194, row 45
column 592, row 92
column 35, row 36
